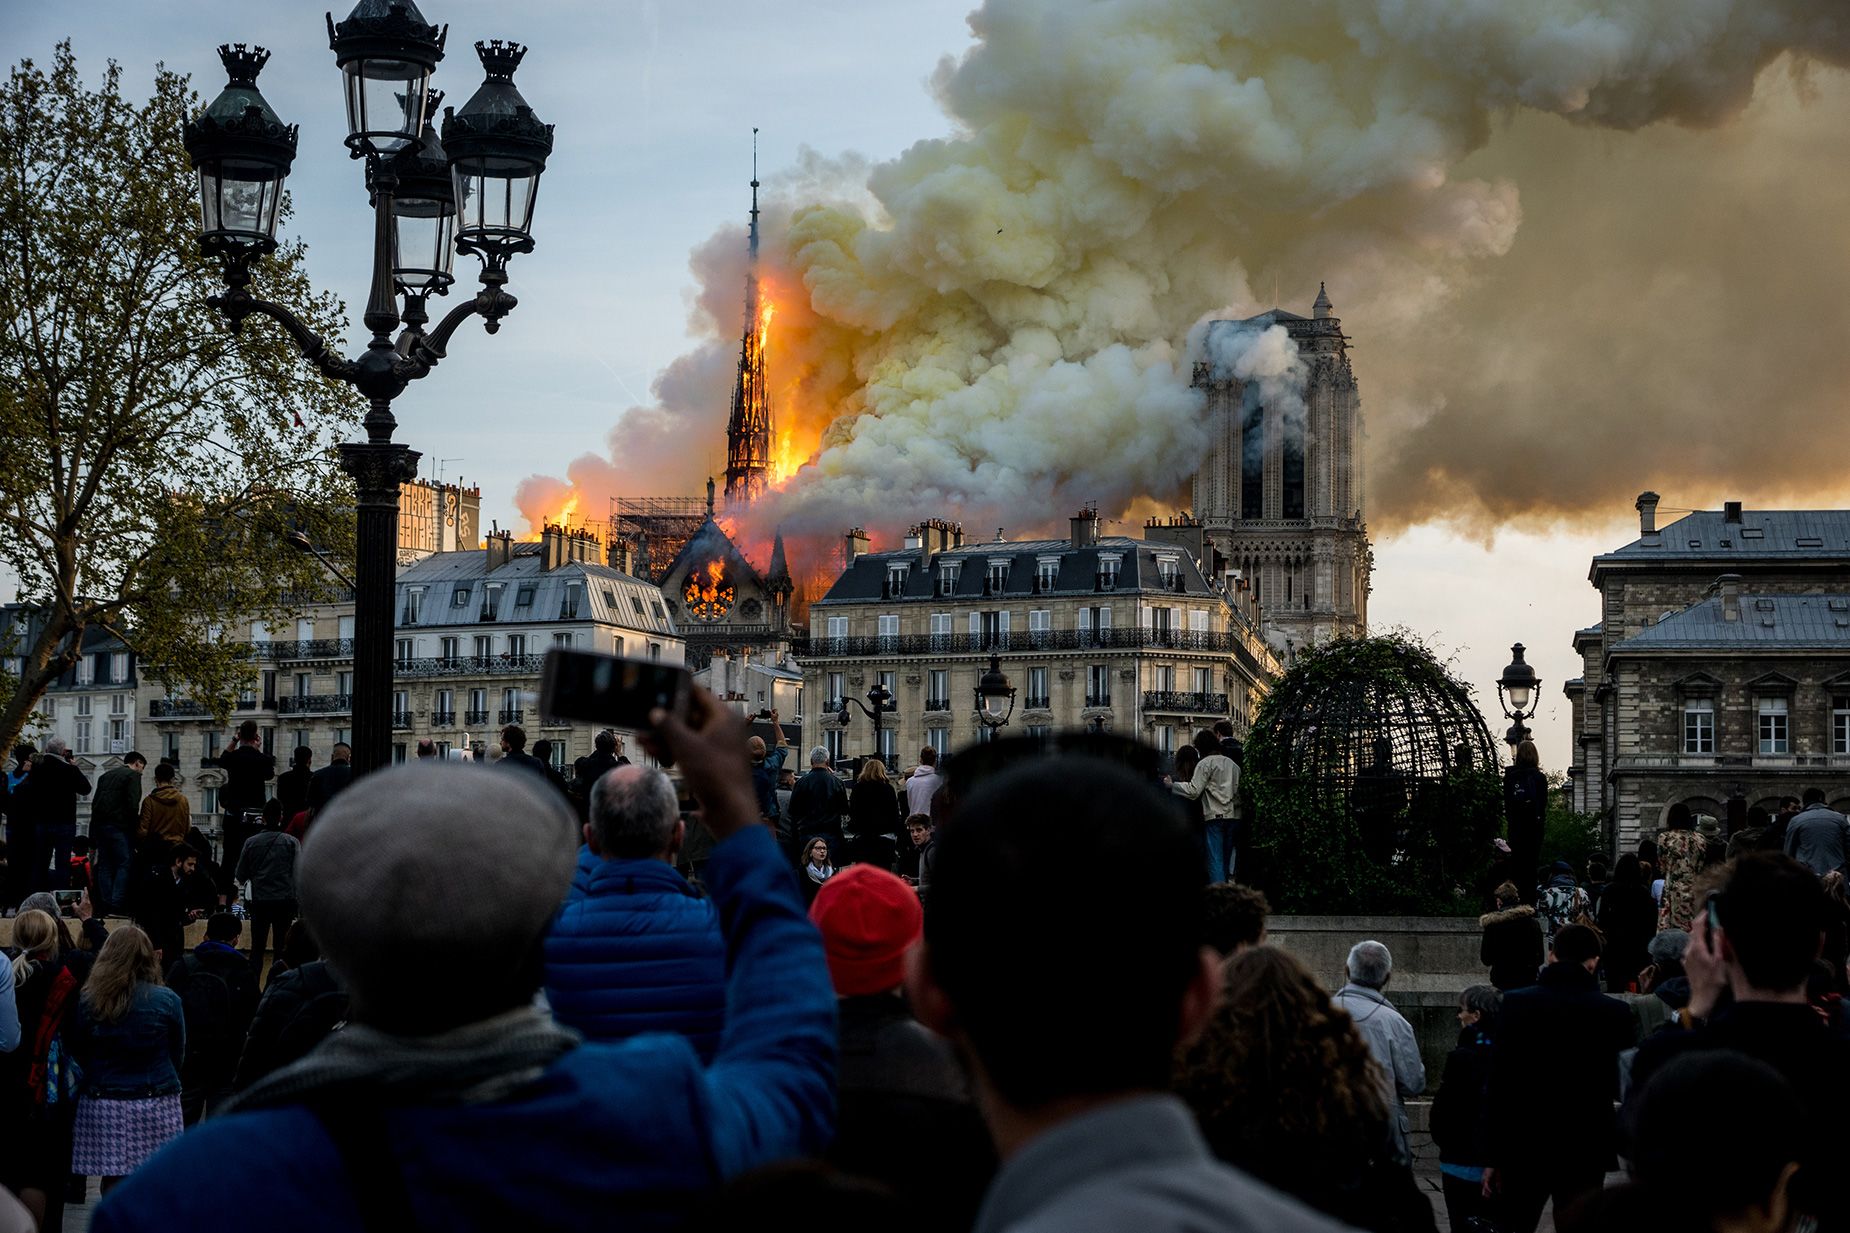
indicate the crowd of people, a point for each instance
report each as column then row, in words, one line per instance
column 507, row 998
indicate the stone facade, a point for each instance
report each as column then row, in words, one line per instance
column 92, row 706
column 1123, row 634
column 1719, row 675
column 1281, row 490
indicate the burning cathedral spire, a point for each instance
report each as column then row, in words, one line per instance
column 749, row 430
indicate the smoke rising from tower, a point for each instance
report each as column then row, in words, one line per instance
column 999, row 327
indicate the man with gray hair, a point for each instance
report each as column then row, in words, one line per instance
column 818, row 804
column 51, row 793
column 634, row 949
column 1386, row 1032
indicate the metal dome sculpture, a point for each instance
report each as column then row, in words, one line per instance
column 1374, row 779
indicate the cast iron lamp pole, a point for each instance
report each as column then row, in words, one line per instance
column 880, row 701
column 477, row 185
column 1517, row 688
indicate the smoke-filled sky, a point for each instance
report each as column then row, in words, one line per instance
column 1582, row 249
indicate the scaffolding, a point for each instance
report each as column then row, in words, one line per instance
column 651, row 531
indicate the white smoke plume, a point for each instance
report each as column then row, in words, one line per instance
column 999, row 330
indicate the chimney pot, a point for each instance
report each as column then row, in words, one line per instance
column 1085, row 528
column 1731, row 512
column 1647, row 513
column 854, row 544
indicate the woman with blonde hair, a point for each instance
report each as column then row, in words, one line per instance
column 1285, row 1089
column 873, row 816
column 36, row 1082
column 129, row 1038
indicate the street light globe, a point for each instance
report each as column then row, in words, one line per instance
column 424, row 215
column 243, row 153
column 386, row 52
column 995, row 696
column 1518, row 681
column 497, row 149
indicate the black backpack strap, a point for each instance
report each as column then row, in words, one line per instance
column 357, row 1127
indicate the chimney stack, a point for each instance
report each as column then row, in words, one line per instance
column 1729, row 587
column 1647, row 513
column 500, row 549
column 1085, row 528
column 1731, row 512
column 552, row 547
column 854, row 544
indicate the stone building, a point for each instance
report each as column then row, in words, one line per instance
column 1124, row 634
column 1719, row 672
column 435, row 517
column 473, row 628
column 721, row 603
column 92, row 706
column 1280, row 491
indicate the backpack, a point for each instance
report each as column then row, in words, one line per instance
column 1561, row 906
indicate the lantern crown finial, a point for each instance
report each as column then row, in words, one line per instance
column 500, row 57
column 242, row 63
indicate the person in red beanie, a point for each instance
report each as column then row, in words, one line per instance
column 906, row 1113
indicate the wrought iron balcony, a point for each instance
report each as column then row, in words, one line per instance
column 510, row 715
column 470, row 665
column 177, row 708
column 443, row 719
column 1024, row 641
column 1180, row 703
column 402, row 719
column 315, row 704
column 937, row 704
column 1098, row 699
column 1036, row 703
column 475, row 718
column 304, row 648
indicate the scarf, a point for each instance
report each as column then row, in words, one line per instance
column 51, row 1018
column 477, row 1063
column 819, row 873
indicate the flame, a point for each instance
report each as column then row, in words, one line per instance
column 708, row 595
column 764, row 322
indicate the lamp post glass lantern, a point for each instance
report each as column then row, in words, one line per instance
column 243, row 152
column 995, row 696
column 1517, row 689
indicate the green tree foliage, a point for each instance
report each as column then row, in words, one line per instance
column 1316, row 810
column 1567, row 835
column 152, row 463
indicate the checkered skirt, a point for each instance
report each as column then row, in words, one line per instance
column 114, row 1137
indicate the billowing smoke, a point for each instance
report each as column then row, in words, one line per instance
column 999, row 326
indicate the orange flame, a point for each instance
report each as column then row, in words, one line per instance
column 708, row 595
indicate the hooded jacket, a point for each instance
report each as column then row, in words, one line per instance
column 1512, row 946
column 166, row 815
column 636, row 950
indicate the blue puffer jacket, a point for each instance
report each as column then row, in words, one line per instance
column 634, row 950
column 610, row 1136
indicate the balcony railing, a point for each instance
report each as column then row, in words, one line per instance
column 443, row 719
column 315, row 704
column 937, row 704
column 470, row 665
column 304, row 648
column 1027, row 640
column 1184, row 703
column 177, row 708
column 475, row 718
column 401, row 719
column 1098, row 699
column 1035, row 702
column 510, row 715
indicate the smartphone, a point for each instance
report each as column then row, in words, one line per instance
column 67, row 901
column 1714, row 910
column 610, row 690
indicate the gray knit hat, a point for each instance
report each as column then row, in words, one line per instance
column 426, row 885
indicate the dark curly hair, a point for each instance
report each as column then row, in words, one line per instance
column 1281, row 1081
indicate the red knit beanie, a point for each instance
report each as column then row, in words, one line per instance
column 869, row 919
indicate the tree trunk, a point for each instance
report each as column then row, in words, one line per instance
column 42, row 669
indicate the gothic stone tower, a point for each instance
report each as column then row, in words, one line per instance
column 749, row 429
column 1280, row 491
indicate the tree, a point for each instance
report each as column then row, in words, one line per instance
column 152, row 460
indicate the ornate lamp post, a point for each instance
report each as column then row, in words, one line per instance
column 471, row 192
column 1517, row 688
column 995, row 696
column 880, row 701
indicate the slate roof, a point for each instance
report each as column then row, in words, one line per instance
column 865, row 579
column 611, row 596
column 1768, row 622
column 1706, row 537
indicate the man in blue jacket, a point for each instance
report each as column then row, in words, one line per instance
column 449, row 1101
column 634, row 949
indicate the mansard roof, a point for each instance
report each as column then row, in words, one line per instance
column 1752, row 538
column 1767, row 622
column 1077, row 572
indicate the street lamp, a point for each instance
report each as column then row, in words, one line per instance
column 1517, row 688
column 880, row 701
column 477, row 185
column 995, row 697
column 298, row 539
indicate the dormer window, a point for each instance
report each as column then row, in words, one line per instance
column 491, row 601
column 948, row 572
column 459, row 598
column 1169, row 569
column 895, row 579
column 1108, row 572
column 414, row 605
column 1046, row 573
column 996, row 579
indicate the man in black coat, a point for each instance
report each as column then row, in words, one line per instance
column 51, row 793
column 1751, row 952
column 514, row 753
column 115, row 813
column 605, row 758
column 218, row 992
column 300, row 1009
column 160, row 902
column 247, row 770
column 325, row 784
column 1554, row 1074
column 818, row 803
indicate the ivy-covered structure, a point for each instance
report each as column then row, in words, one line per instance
column 1372, row 782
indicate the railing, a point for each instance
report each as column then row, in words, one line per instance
column 510, row 715
column 304, row 648
column 245, row 704
column 1098, row 699
column 1021, row 641
column 475, row 719
column 176, row 708
column 470, row 665
column 401, row 719
column 937, row 704
column 730, row 633
column 315, row 704
column 1184, row 703
column 1038, row 702
column 443, row 719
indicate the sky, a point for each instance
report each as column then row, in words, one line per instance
column 654, row 105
